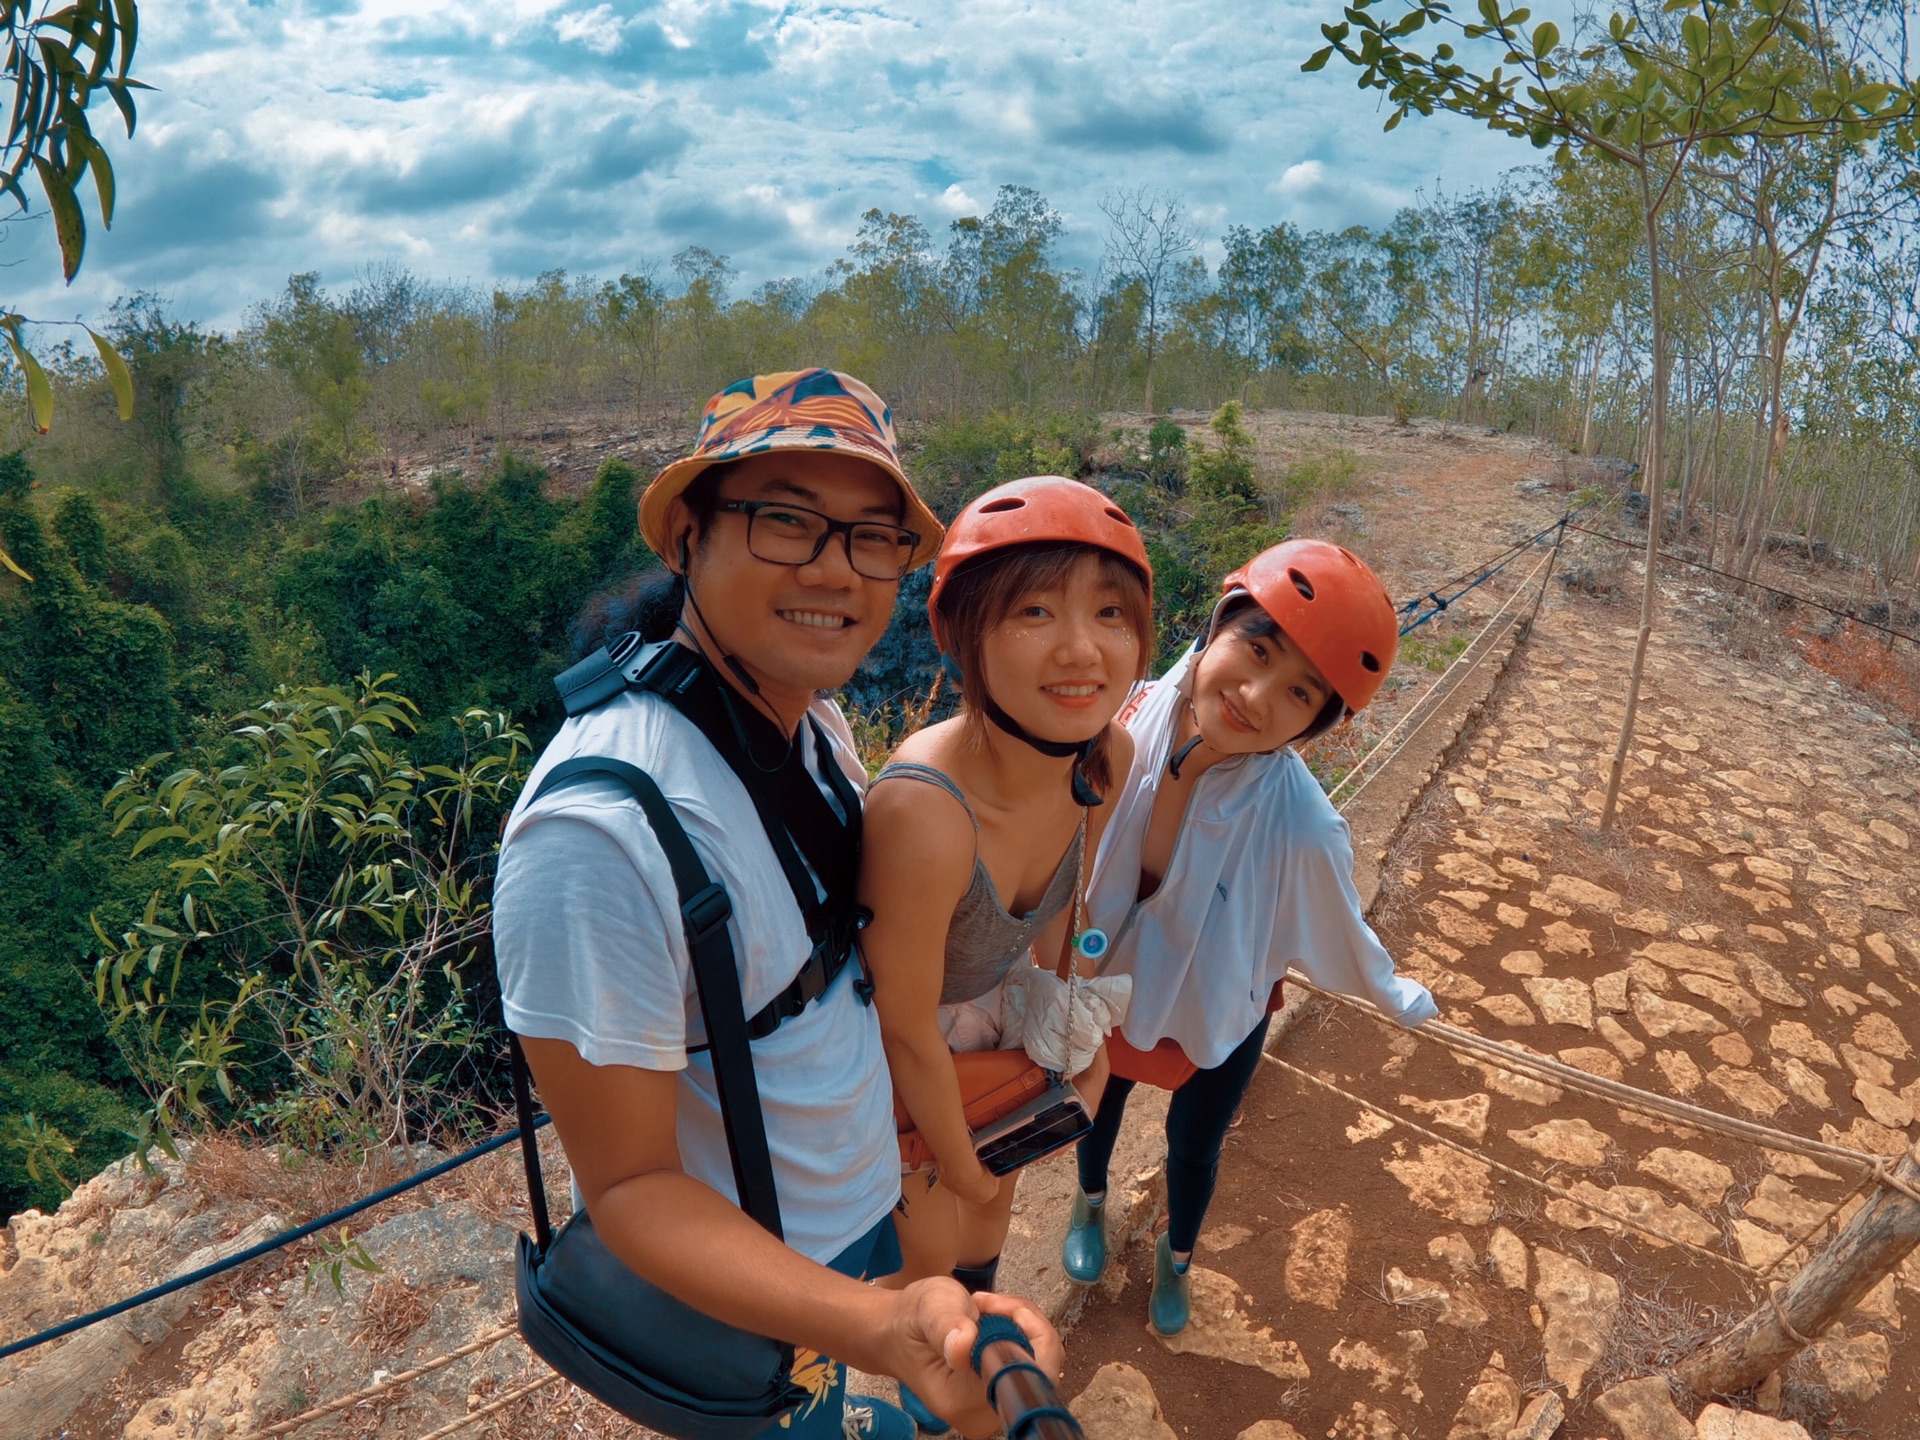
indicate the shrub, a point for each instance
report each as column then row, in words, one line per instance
column 330, row 895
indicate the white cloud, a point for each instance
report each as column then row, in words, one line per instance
column 597, row 29
column 489, row 142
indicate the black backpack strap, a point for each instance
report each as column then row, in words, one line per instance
column 704, row 911
column 529, row 1144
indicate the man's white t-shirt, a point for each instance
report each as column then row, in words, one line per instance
column 590, row 950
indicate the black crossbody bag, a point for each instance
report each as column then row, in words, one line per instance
column 655, row 1359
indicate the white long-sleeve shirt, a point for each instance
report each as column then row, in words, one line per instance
column 1261, row 877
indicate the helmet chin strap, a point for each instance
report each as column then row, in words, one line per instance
column 1078, row 750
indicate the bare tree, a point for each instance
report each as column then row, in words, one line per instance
column 1148, row 243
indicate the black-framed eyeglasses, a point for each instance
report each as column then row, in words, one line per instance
column 784, row 534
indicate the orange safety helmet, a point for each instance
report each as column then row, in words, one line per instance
column 1332, row 606
column 1035, row 511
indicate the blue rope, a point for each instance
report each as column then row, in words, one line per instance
column 299, row 1232
column 1512, row 553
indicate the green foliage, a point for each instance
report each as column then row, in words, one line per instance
column 1428, row 654
column 961, row 456
column 329, row 893
column 44, row 1150
column 1167, row 457
column 337, row 1253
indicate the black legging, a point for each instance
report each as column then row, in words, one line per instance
column 1197, row 1122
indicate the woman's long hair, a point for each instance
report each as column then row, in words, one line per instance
column 981, row 595
column 649, row 601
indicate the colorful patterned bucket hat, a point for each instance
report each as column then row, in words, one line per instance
column 792, row 410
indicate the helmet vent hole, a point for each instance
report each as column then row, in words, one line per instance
column 1114, row 512
column 1301, row 583
column 1370, row 661
column 1000, row 507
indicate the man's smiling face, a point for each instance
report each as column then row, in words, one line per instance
column 797, row 629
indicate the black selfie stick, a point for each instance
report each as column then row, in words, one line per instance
column 1030, row 1408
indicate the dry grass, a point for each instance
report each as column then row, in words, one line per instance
column 1864, row 660
column 394, row 1310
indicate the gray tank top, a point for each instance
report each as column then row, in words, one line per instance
column 984, row 941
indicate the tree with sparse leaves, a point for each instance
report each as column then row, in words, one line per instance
column 1663, row 88
column 59, row 60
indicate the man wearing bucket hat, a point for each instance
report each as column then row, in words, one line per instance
column 785, row 534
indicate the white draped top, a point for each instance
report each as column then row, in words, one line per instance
column 1261, row 877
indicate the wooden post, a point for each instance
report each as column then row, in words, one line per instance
column 1865, row 1251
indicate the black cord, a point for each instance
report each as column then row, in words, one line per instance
column 254, row 1252
column 1811, row 604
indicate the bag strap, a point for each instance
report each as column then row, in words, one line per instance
column 529, row 1144
column 704, row 911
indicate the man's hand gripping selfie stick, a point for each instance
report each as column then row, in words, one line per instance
column 1029, row 1407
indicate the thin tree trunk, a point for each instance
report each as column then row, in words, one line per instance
column 1655, row 466
column 1882, row 1234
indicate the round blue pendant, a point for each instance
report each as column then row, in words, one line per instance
column 1091, row 942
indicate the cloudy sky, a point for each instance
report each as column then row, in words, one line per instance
column 487, row 142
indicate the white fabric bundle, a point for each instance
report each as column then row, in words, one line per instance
column 1060, row 1025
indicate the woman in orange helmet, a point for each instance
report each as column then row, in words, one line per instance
column 978, row 832
column 1223, row 864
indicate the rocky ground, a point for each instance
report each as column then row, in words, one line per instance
column 1744, row 938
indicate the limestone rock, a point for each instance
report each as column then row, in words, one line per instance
column 1447, row 1182
column 1673, row 955
column 1454, row 1251
column 1571, row 1142
column 1770, row 984
column 1507, row 1009
column 1595, row 1061
column 1620, row 1038
column 1387, row 1372
column 1269, row 1430
column 1490, row 1409
column 1644, row 1410
column 1877, row 1033
column 1717, row 1422
column 1544, row 1415
column 1221, row 1330
column 1364, row 1422
column 1561, row 1001
column 1681, row 1071
column 1467, row 1115
column 1729, row 997
column 1800, row 1079
column 1731, row 1048
column 1560, row 938
column 1517, row 1087
column 1883, row 1105
column 1854, row 1367
column 1647, row 922
column 1661, row 1018
column 1512, row 916
column 1523, row 962
column 1507, row 1255
column 1635, row 1202
column 1702, row 1181
column 1610, row 991
column 1747, row 1090
column 1867, row 1066
column 1368, row 1126
column 1119, row 1404
column 1775, row 1202
column 1316, row 1270
column 1583, row 894
column 1580, row 1306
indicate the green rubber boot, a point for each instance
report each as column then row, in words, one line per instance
column 1170, row 1304
column 1083, row 1255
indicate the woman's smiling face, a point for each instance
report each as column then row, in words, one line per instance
column 1061, row 663
column 1254, row 690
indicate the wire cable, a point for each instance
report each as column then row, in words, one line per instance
column 265, row 1247
column 1798, row 599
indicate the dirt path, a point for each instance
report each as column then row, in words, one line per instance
column 1745, row 940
